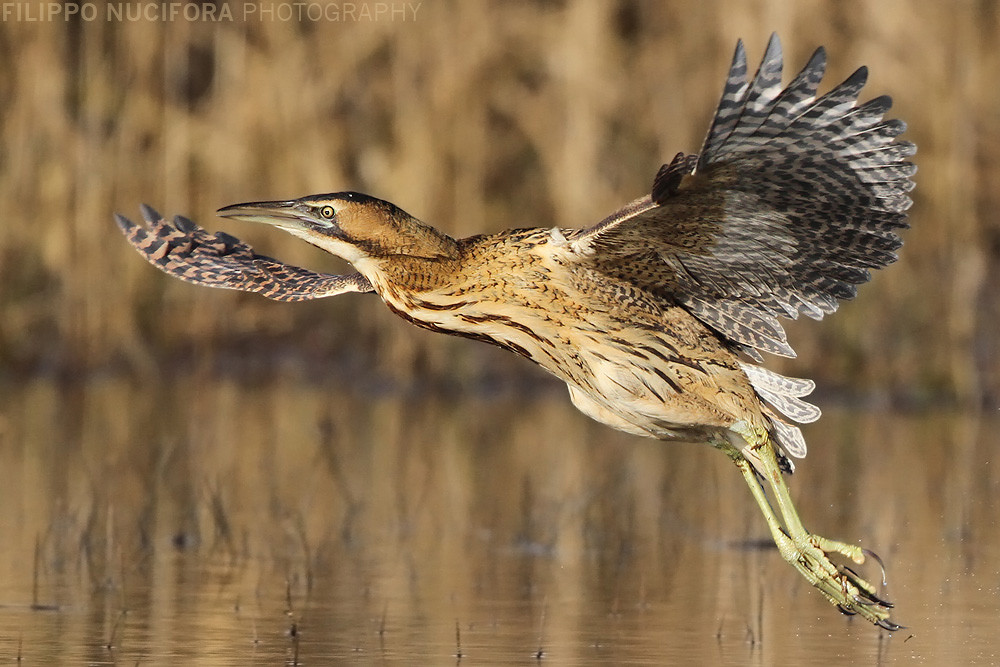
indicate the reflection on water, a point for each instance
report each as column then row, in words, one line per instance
column 219, row 523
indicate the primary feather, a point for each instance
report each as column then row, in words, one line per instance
column 789, row 204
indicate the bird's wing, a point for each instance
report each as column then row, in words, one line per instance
column 789, row 204
column 187, row 251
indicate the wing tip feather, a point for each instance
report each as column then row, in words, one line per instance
column 149, row 214
column 124, row 224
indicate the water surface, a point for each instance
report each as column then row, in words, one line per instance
column 206, row 521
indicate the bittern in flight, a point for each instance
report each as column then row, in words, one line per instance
column 655, row 317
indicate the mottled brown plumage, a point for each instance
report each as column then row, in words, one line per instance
column 645, row 316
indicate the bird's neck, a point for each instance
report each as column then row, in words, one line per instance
column 413, row 239
column 408, row 257
column 400, row 278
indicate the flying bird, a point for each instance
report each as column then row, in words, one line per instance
column 656, row 317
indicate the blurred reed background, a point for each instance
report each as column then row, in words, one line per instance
column 226, row 469
column 474, row 116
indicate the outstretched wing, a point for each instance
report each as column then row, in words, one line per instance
column 789, row 204
column 185, row 250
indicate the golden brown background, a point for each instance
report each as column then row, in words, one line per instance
column 475, row 116
column 187, row 475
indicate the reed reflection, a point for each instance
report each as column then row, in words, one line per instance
column 222, row 522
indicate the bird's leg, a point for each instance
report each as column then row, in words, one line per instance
column 808, row 553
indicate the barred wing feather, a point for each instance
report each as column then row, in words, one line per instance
column 187, row 251
column 792, row 200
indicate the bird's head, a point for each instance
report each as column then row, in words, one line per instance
column 352, row 226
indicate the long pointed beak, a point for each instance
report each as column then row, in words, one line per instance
column 284, row 214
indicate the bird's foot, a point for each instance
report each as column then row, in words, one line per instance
column 809, row 553
column 852, row 594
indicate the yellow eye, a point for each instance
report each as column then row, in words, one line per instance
column 327, row 212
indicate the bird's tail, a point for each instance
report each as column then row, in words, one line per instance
column 784, row 395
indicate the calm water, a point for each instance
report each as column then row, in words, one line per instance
column 210, row 522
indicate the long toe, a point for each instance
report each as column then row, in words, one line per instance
column 844, row 587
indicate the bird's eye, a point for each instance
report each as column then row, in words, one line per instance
column 327, row 212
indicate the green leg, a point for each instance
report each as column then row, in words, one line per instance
column 808, row 553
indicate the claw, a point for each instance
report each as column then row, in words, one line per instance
column 879, row 602
column 869, row 597
column 878, row 559
column 845, row 611
column 889, row 625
